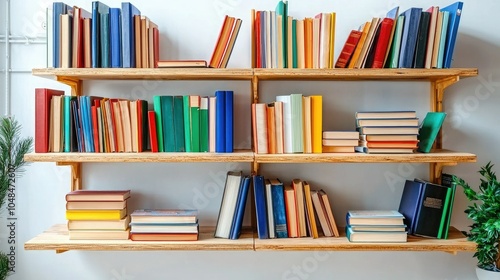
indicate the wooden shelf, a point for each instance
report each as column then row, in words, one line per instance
column 236, row 156
column 57, row 238
column 248, row 74
column 456, row 242
column 444, row 156
column 363, row 74
column 145, row 73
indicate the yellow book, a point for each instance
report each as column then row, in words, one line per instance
column 332, row 41
column 362, row 39
column 317, row 123
column 310, row 210
column 79, row 215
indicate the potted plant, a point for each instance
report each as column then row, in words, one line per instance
column 485, row 214
column 12, row 151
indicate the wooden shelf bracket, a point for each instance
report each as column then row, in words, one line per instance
column 76, row 171
column 75, row 84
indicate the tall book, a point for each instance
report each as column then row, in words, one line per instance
column 287, row 122
column 260, row 206
column 58, row 9
column 409, row 37
column 430, row 213
column 159, row 122
column 228, row 204
column 447, row 181
column 204, row 124
column 194, row 105
column 433, row 11
column 269, row 206
column 278, row 198
column 187, row 123
column 178, row 132
column 43, row 97
column 455, row 12
column 393, row 57
column 296, row 123
column 228, row 121
column 220, row 121
column 98, row 9
column 128, row 34
column 116, row 37
column 240, row 207
column 423, row 34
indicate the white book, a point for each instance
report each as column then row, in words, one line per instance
column 324, row 49
column 270, row 213
column 287, row 121
column 228, row 204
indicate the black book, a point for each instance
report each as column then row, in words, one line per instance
column 421, row 48
column 430, row 212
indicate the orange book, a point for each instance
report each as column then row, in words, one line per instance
column 120, row 147
column 320, row 212
column 230, row 46
column 360, row 63
column 308, row 39
column 138, row 44
column 310, row 211
column 392, row 144
column 291, row 212
column 139, row 125
column 271, row 129
column 87, row 53
column 134, row 128
column 258, row 50
column 362, row 39
column 279, row 127
column 151, row 44
column 338, row 149
column 126, row 125
column 301, row 63
column 259, row 112
column 299, row 202
column 145, row 41
column 222, row 42
column 252, row 32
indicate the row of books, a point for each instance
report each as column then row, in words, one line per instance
column 427, row 207
column 95, row 124
column 280, row 41
column 377, row 226
column 281, row 211
column 98, row 215
column 102, row 38
column 412, row 39
column 291, row 124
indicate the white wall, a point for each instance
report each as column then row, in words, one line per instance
column 188, row 31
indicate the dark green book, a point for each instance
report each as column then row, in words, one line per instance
column 194, row 104
column 204, row 124
column 167, row 113
column 423, row 32
column 447, row 181
column 429, row 130
column 187, row 123
column 443, row 227
column 179, row 124
column 159, row 118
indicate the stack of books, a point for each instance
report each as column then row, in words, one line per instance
column 94, row 214
column 387, row 132
column 101, row 37
column 375, row 226
column 164, row 225
column 415, row 38
column 340, row 141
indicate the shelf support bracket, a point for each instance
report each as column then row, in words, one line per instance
column 436, row 169
column 61, row 251
column 76, row 171
column 75, row 84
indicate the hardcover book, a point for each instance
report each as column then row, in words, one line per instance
column 43, row 97
column 429, row 130
column 162, row 216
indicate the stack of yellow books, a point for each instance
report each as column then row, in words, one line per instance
column 93, row 214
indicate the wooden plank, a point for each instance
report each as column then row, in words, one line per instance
column 456, row 242
column 145, row 73
column 436, row 156
column 57, row 238
column 363, row 74
column 236, row 156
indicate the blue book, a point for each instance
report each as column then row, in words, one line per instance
column 128, row 34
column 76, row 123
column 98, row 8
column 58, row 8
column 410, row 203
column 220, row 122
column 260, row 206
column 84, row 123
column 455, row 11
column 279, row 212
column 409, row 39
column 67, row 123
column 116, row 35
column 442, row 42
column 229, row 112
column 240, row 208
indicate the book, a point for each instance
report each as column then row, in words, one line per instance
column 392, row 60
column 291, row 212
column 128, row 34
column 317, row 122
column 340, row 142
column 260, row 206
column 152, row 131
column 387, row 122
column 375, row 237
column 228, row 121
column 434, row 11
column 374, row 217
column 99, row 234
column 442, row 42
column 194, row 105
column 368, row 150
column 96, row 214
column 98, row 195
column 95, row 205
column 455, row 13
column 410, row 203
column 386, row 115
column 429, row 130
column 447, row 181
column 164, row 236
column 230, row 45
column 409, row 37
column 329, row 213
column 388, row 137
column 319, row 209
column 220, row 121
column 421, row 47
column 269, row 206
column 338, row 149
column 348, row 49
column 204, row 132
column 193, row 63
column 121, row 224
column 431, row 208
column 165, row 216
column 382, row 43
column 58, row 9
column 228, row 204
column 313, row 229
column 298, row 188
column 115, row 31
column 278, row 198
column 240, row 208
column 412, row 130
column 397, row 228
column 163, row 228
column 43, row 97
column 99, row 9
column 340, row 134
column 222, row 41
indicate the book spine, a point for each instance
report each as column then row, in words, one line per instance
column 229, row 118
column 220, row 122
column 187, row 123
column 159, row 126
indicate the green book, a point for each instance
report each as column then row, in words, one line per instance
column 442, row 41
column 294, row 44
column 194, row 104
column 447, row 181
column 297, row 123
column 159, row 126
column 446, row 206
column 393, row 60
column 187, row 123
column 179, row 124
column 429, row 130
column 167, row 113
column 204, row 124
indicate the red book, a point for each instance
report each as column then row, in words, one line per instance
column 348, row 49
column 258, row 50
column 95, row 128
column 152, row 131
column 382, row 43
column 42, row 117
column 139, row 124
column 222, row 41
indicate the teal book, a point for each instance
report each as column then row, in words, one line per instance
column 167, row 113
column 282, row 9
column 393, row 59
column 159, row 127
column 429, row 130
column 204, row 124
column 105, row 41
column 442, row 42
column 187, row 123
column 179, row 124
column 297, row 123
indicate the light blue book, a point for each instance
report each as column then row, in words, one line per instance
column 393, row 58
column 442, row 41
column 297, row 123
column 287, row 122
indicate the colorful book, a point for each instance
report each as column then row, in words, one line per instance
column 455, row 12
column 152, row 131
column 128, row 34
column 98, row 9
column 277, row 193
column 409, row 37
column 116, row 37
column 348, row 49
column 429, row 130
column 43, row 98
column 220, row 121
